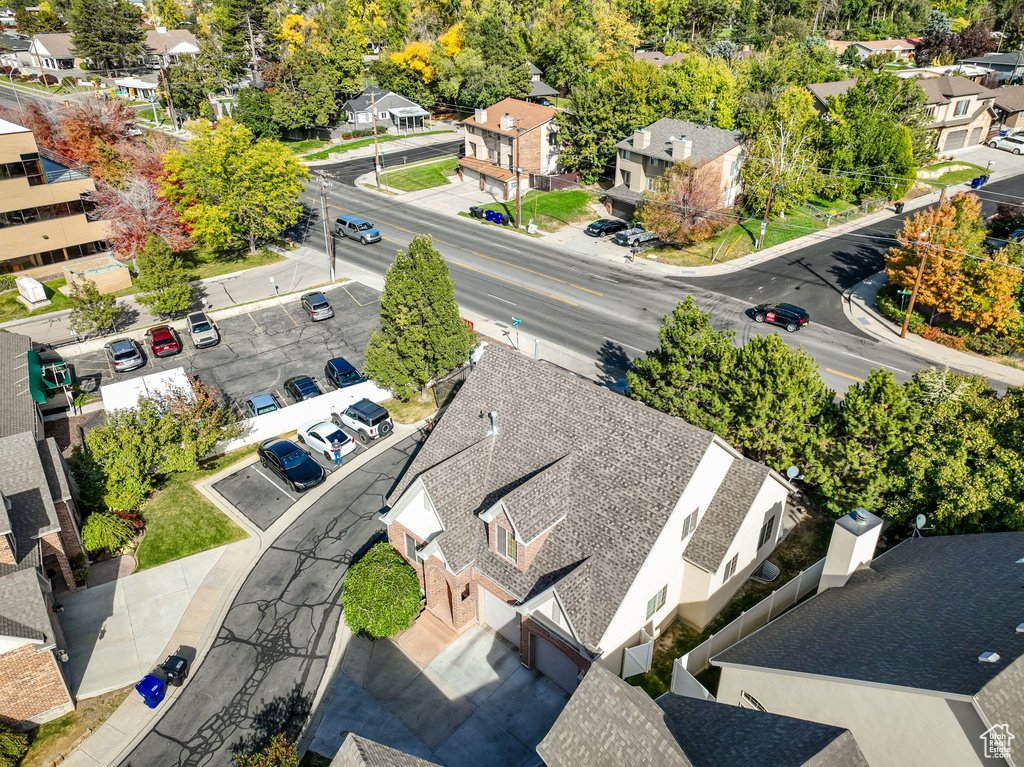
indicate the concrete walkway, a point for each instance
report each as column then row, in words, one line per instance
column 396, row 145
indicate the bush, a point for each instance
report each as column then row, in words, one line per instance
column 13, row 746
column 105, row 531
column 954, row 330
column 889, row 307
column 381, row 595
column 81, row 576
column 280, row 752
column 990, row 344
column 78, row 560
column 952, row 342
column 7, row 282
column 133, row 518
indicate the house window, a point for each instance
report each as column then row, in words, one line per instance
column 654, row 161
column 766, row 531
column 730, row 569
column 734, row 169
column 383, row 115
column 507, row 545
column 652, row 184
column 931, row 112
column 626, row 177
column 754, row 703
column 689, row 524
column 410, row 548
column 627, row 155
column 492, row 155
column 657, row 601
column 961, row 108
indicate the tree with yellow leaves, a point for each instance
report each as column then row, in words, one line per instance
column 988, row 296
column 297, row 31
column 418, row 58
column 451, row 41
column 616, row 33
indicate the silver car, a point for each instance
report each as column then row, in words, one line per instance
column 202, row 330
column 124, row 355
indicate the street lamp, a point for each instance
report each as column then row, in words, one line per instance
column 17, row 98
column 273, row 284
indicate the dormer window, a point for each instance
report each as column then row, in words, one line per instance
column 507, row 545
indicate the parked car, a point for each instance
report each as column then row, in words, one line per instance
column 301, row 388
column 317, row 306
column 124, row 355
column 604, row 226
column 1008, row 143
column 367, row 419
column 291, row 463
column 792, row 318
column 356, row 229
column 634, row 236
column 260, row 403
column 163, row 340
column 340, row 372
column 202, row 331
column 321, row 436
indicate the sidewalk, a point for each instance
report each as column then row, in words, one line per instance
column 411, row 141
column 859, row 305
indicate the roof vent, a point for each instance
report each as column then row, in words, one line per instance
column 989, row 657
column 494, row 422
column 1020, row 561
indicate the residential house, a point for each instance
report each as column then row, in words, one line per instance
column 532, row 510
column 168, row 47
column 658, row 58
column 1009, row 106
column 643, row 157
column 972, row 72
column 919, row 652
column 52, row 51
column 44, row 219
column 14, row 52
column 609, row 723
column 509, row 133
column 898, row 50
column 136, row 88
column 1007, row 66
column 838, row 46
column 38, row 537
column 395, row 114
column 539, row 91
column 362, row 752
column 7, row 16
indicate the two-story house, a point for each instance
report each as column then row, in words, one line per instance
column 919, row 652
column 645, row 156
column 168, row 47
column 509, row 133
column 574, row 521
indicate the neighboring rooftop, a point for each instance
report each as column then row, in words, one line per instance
column 822, row 91
column 942, row 90
column 26, row 485
column 382, row 99
column 362, row 752
column 9, row 127
column 23, row 607
column 17, row 408
column 707, row 142
column 889, row 45
column 1010, row 98
column 1012, row 58
column 161, row 39
column 524, row 115
column 57, row 44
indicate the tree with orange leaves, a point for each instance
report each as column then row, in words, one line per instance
column 683, row 207
column 988, row 297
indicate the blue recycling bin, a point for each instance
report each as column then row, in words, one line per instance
column 151, row 688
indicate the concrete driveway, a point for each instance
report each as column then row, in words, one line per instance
column 1003, row 163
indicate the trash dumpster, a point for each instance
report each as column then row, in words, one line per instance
column 899, row 207
column 175, row 668
column 151, row 688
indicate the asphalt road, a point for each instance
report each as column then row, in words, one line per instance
column 604, row 311
column 261, row 674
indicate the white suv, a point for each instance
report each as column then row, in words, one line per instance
column 367, row 419
column 1008, row 143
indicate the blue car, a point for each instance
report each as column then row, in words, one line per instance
column 340, row 372
column 260, row 404
column 291, row 463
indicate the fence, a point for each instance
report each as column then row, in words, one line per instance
column 868, row 206
column 699, row 658
column 446, row 389
column 544, row 183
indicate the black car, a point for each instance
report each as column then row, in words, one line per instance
column 340, row 372
column 604, row 226
column 792, row 318
column 301, row 388
column 291, row 463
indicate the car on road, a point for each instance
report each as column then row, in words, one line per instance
column 301, row 388
column 291, row 463
column 202, row 331
column 635, row 235
column 163, row 341
column 604, row 226
column 1008, row 143
column 356, row 229
column 317, row 306
column 340, row 373
column 260, row 403
column 792, row 318
column 124, row 355
column 321, row 436
column 367, row 419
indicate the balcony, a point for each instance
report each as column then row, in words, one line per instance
column 57, row 169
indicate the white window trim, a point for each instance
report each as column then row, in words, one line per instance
column 410, row 543
column 730, row 568
column 658, row 600
column 503, row 536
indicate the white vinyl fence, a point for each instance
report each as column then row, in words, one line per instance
column 699, row 658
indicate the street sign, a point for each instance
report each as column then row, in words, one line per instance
column 904, row 292
column 516, row 322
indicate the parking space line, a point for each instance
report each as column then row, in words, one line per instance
column 357, row 300
column 255, row 324
column 275, row 484
column 288, row 314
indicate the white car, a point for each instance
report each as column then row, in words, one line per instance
column 321, row 436
column 1009, row 143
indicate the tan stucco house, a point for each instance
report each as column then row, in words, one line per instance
column 1009, row 106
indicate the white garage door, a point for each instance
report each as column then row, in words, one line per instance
column 501, row 617
column 552, row 663
column 494, row 187
column 955, row 140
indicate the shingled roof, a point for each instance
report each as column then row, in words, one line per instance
column 17, row 408
column 23, row 608
column 942, row 90
column 363, row 752
column 609, row 723
column 707, row 142
column 25, row 484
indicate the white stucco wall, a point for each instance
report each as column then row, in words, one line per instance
column 416, row 513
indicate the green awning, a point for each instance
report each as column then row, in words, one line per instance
column 35, row 378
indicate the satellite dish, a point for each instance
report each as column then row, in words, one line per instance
column 792, row 472
column 921, row 521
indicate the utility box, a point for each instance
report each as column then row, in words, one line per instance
column 31, row 290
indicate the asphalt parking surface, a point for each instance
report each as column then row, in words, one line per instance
column 260, row 349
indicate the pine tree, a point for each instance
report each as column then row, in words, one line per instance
column 422, row 336
column 163, row 280
column 106, row 32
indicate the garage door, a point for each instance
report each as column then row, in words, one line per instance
column 501, row 617
column 552, row 663
column 975, row 136
column 955, row 140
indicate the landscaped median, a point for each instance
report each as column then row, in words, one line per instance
column 365, row 142
column 422, row 176
column 550, row 211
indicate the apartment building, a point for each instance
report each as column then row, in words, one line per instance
column 44, row 218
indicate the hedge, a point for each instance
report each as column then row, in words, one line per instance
column 381, row 594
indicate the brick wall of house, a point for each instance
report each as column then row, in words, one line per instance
column 529, row 627
column 525, row 553
column 6, row 551
column 68, row 529
column 53, row 554
column 396, row 537
column 530, row 151
column 32, row 685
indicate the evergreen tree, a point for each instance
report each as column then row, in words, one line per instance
column 422, row 336
column 94, row 312
column 106, row 32
column 163, row 280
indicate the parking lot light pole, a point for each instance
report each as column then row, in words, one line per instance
column 328, row 240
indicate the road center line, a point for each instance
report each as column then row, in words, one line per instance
column 275, row 484
column 634, row 348
column 500, row 298
column 844, row 375
column 873, row 362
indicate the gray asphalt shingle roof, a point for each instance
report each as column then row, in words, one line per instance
column 23, row 608
column 941, row 90
column 822, row 91
column 1010, row 98
column 17, row 408
column 363, row 752
column 918, row 617
column 708, row 142
column 382, row 99
column 24, row 483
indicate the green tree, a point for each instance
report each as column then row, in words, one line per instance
column 38, row 22
column 311, row 83
column 381, row 594
column 422, row 336
column 227, row 188
column 254, row 111
column 13, row 745
column 280, row 752
column 163, row 280
column 106, row 32
column 191, row 84
column 565, row 54
column 103, row 531
column 490, row 67
column 685, row 376
column 242, row 28
column 699, row 87
column 93, row 312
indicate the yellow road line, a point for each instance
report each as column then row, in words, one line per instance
column 844, row 375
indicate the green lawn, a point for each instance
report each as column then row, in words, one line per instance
column 305, row 145
column 51, row 739
column 954, row 176
column 364, row 142
column 550, row 210
column 421, row 176
column 12, row 309
column 409, row 412
column 804, row 546
column 180, row 521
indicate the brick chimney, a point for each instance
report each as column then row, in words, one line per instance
column 853, row 542
column 641, row 138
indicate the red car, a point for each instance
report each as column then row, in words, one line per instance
column 163, row 341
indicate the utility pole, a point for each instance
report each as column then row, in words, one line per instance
column 376, row 146
column 519, row 194
column 170, row 102
column 920, row 267
column 328, row 240
column 767, row 207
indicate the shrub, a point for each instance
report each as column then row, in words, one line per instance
column 7, row 282
column 954, row 330
column 930, row 333
column 953, row 342
column 990, row 345
column 81, row 576
column 280, row 752
column 889, row 307
column 105, row 531
column 78, row 560
column 381, row 595
column 13, row 746
column 133, row 518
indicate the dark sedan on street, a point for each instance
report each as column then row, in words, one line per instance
column 605, row 226
column 792, row 318
column 291, row 463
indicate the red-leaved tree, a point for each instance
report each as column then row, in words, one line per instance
column 135, row 210
column 684, row 206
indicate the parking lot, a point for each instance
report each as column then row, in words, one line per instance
column 260, row 349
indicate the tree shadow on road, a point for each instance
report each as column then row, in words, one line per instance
column 282, row 714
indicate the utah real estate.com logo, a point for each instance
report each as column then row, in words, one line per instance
column 997, row 741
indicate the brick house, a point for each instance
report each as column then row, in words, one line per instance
column 645, row 156
column 38, row 538
column 576, row 522
column 495, row 135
